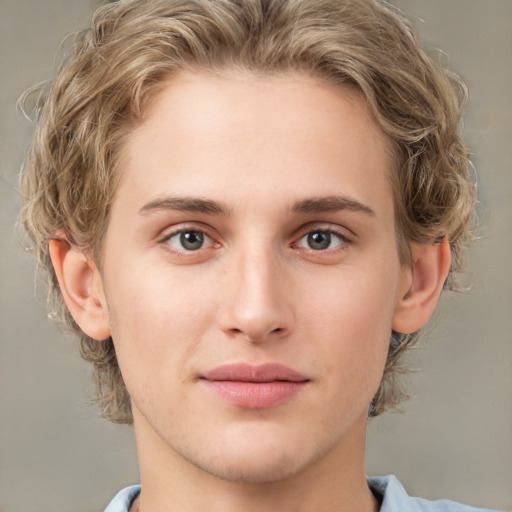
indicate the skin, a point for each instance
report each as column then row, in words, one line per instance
column 282, row 162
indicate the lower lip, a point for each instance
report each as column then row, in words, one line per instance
column 255, row 395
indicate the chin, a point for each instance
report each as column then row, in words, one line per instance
column 253, row 460
column 242, row 470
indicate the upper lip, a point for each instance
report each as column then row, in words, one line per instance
column 244, row 372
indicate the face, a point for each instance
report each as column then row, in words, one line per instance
column 251, row 273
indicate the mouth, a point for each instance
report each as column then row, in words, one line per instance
column 254, row 387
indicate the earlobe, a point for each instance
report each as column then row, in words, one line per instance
column 81, row 287
column 424, row 285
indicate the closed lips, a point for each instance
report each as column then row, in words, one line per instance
column 248, row 373
column 255, row 387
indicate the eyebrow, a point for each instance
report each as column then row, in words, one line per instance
column 185, row 204
column 209, row 206
column 329, row 204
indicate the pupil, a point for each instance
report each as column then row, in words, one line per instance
column 192, row 240
column 319, row 240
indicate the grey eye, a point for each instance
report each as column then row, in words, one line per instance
column 191, row 240
column 188, row 241
column 319, row 240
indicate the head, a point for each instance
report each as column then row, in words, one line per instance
column 135, row 48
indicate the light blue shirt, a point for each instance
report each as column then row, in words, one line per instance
column 387, row 488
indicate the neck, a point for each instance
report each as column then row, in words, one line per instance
column 334, row 482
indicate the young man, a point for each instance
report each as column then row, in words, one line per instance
column 247, row 210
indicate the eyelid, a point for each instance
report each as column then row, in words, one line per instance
column 181, row 227
column 342, row 232
column 345, row 237
column 169, row 233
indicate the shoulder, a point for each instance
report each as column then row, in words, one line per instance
column 390, row 491
column 394, row 497
column 123, row 499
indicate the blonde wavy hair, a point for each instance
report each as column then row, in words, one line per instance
column 134, row 46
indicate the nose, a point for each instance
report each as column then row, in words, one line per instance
column 257, row 298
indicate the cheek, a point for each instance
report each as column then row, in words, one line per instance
column 156, row 319
column 350, row 318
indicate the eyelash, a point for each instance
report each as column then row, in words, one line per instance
column 342, row 237
column 166, row 241
column 307, row 231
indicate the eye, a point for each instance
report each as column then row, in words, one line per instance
column 189, row 240
column 321, row 240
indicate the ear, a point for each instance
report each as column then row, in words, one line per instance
column 421, row 286
column 81, row 287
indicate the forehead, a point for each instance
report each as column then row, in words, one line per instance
column 241, row 138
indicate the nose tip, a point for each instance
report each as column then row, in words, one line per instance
column 256, row 334
column 256, row 303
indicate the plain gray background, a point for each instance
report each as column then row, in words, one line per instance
column 454, row 438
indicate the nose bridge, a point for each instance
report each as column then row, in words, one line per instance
column 255, row 303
